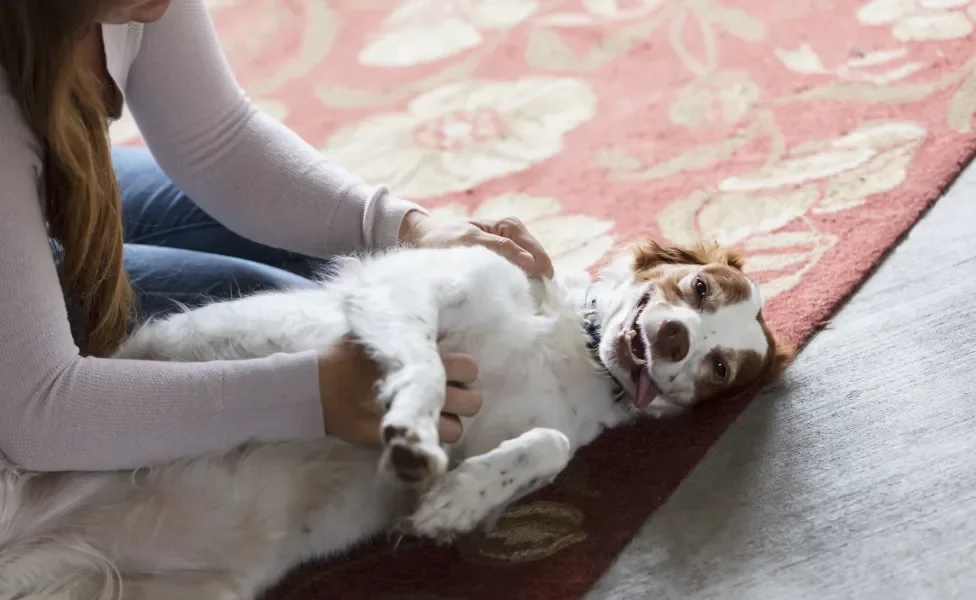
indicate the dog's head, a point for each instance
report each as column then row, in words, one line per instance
column 685, row 325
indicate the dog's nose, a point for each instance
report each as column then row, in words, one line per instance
column 672, row 341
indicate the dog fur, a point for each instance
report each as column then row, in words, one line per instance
column 228, row 526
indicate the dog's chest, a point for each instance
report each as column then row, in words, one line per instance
column 537, row 374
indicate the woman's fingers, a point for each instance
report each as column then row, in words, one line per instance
column 507, row 249
column 461, row 371
column 526, row 243
column 449, row 429
column 460, row 368
column 462, row 402
column 361, row 423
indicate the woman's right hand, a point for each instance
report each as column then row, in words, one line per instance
column 347, row 387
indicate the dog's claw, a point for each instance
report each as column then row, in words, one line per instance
column 406, row 527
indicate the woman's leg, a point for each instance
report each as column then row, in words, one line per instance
column 157, row 213
column 165, row 279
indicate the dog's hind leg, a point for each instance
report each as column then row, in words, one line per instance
column 399, row 331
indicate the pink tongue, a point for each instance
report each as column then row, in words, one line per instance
column 646, row 392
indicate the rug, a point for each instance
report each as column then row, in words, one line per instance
column 810, row 134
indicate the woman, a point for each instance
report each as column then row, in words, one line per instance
column 135, row 241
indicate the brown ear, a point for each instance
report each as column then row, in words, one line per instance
column 782, row 358
column 651, row 253
column 714, row 253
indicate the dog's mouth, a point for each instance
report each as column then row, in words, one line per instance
column 634, row 348
column 635, row 340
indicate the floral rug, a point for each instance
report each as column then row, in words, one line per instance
column 810, row 134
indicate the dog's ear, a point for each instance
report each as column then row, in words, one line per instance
column 782, row 357
column 714, row 253
column 652, row 253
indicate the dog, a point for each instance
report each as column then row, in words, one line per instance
column 559, row 361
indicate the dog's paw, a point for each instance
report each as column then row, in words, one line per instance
column 411, row 459
column 477, row 491
column 409, row 527
column 453, row 506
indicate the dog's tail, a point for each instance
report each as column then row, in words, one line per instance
column 57, row 569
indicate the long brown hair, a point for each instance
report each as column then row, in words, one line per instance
column 62, row 103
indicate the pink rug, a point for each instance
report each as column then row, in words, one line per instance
column 810, row 134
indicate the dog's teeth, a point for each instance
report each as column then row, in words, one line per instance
column 631, row 334
column 639, row 361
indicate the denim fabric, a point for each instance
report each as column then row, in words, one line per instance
column 175, row 254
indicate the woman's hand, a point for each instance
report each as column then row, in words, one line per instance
column 347, row 382
column 507, row 237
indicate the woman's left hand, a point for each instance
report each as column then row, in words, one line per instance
column 507, row 237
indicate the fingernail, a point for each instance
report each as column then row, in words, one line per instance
column 525, row 259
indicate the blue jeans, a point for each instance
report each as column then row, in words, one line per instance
column 177, row 254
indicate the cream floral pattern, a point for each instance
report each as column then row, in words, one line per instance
column 422, row 31
column 310, row 26
column 921, row 20
column 878, row 67
column 462, row 134
column 601, row 12
column 576, row 242
column 627, row 24
column 723, row 98
column 768, row 210
column 869, row 160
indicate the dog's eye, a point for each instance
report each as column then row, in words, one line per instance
column 720, row 369
column 701, row 290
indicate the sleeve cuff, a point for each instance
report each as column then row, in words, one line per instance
column 382, row 218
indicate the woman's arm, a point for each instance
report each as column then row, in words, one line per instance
column 59, row 411
column 245, row 169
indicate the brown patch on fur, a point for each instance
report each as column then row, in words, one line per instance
column 752, row 378
column 719, row 268
column 651, row 254
column 747, row 366
column 729, row 285
column 667, row 284
column 780, row 355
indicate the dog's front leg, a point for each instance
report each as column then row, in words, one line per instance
column 399, row 330
column 483, row 485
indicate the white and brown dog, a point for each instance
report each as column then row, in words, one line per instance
column 559, row 361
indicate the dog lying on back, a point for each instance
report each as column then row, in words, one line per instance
column 559, row 361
